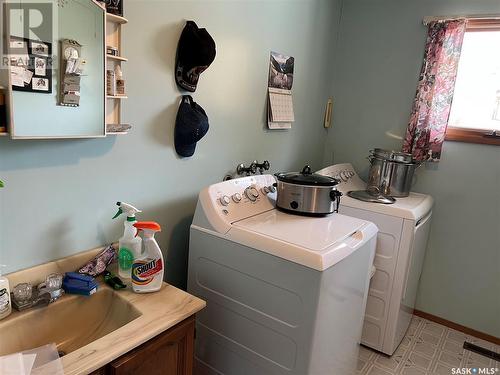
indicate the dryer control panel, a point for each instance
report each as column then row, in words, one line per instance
column 345, row 173
column 229, row 201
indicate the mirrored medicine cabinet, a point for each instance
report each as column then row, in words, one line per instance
column 55, row 83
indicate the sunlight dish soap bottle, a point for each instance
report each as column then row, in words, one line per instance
column 129, row 245
column 147, row 270
column 5, row 305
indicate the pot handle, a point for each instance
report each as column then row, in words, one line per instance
column 373, row 190
column 306, row 170
column 335, row 196
column 370, row 158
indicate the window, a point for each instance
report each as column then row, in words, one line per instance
column 475, row 111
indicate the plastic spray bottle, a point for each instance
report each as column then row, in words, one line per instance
column 148, row 269
column 129, row 245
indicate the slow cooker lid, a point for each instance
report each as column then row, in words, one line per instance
column 306, row 177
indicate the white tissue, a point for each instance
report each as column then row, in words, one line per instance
column 29, row 361
column 43, row 360
column 13, row 364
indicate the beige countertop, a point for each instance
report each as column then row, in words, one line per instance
column 159, row 311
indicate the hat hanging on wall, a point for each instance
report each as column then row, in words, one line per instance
column 195, row 53
column 191, row 125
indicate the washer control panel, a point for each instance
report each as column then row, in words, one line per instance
column 237, row 199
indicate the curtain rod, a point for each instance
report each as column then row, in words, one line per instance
column 429, row 19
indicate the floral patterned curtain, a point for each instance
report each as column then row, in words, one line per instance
column 431, row 108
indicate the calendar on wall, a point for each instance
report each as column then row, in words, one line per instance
column 280, row 104
column 280, row 108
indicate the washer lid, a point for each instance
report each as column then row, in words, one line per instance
column 312, row 233
column 315, row 242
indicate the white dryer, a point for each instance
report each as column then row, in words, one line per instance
column 401, row 244
column 285, row 294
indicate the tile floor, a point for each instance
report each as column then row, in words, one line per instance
column 427, row 349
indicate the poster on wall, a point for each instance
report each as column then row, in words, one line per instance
column 30, row 65
column 280, row 103
column 281, row 71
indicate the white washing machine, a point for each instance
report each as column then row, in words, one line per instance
column 401, row 244
column 285, row 294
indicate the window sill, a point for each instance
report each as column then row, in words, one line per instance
column 471, row 136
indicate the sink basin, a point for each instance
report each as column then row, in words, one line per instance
column 71, row 322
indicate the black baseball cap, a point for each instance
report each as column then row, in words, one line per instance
column 191, row 125
column 195, row 53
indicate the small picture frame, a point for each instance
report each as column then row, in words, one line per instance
column 115, row 7
column 39, row 48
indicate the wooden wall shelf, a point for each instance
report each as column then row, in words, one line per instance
column 114, row 25
column 116, row 19
column 117, row 58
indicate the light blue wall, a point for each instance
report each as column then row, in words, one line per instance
column 379, row 57
column 60, row 195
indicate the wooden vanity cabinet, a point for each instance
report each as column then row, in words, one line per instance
column 169, row 353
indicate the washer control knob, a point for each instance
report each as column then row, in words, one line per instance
column 265, row 190
column 236, row 197
column 224, row 200
column 251, row 193
column 254, row 192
